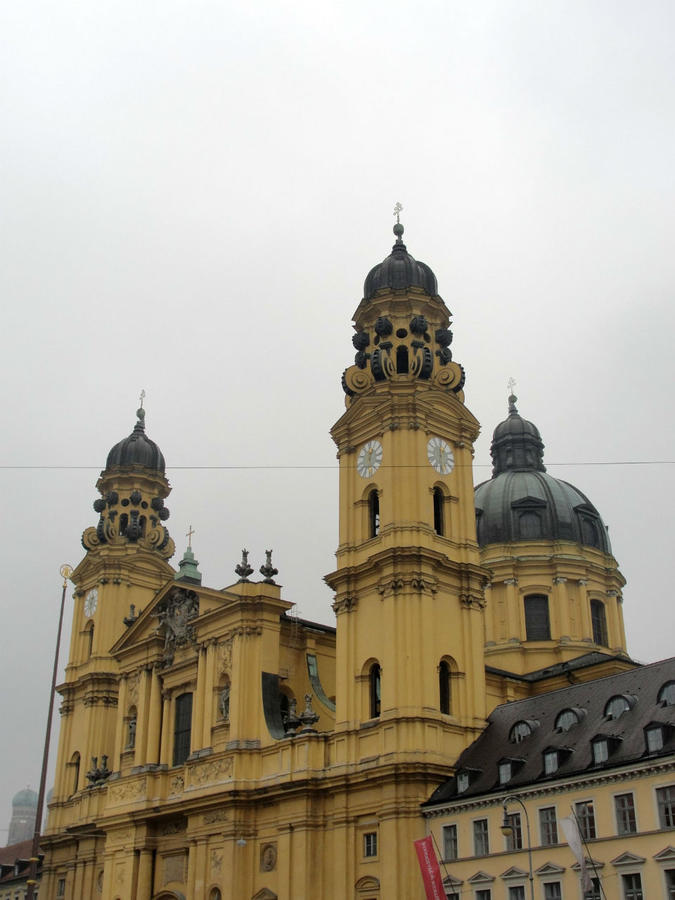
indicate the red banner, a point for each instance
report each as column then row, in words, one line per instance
column 431, row 874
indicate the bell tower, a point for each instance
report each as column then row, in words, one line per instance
column 126, row 563
column 409, row 583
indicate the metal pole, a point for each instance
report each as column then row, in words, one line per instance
column 66, row 571
column 515, row 798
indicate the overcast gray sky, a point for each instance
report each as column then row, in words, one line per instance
column 191, row 195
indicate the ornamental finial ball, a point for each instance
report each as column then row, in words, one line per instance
column 398, row 230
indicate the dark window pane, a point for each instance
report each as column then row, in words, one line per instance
column 537, row 623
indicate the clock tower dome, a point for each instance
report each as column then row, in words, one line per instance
column 409, row 583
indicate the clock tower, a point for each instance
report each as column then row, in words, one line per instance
column 124, row 567
column 409, row 585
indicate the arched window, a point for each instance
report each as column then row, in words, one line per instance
column 599, row 622
column 124, row 521
column 520, row 731
column 183, row 729
column 617, row 706
column 373, row 513
column 375, row 690
column 75, row 772
column 444, row 689
column 89, row 639
column 537, row 622
column 439, row 524
column 402, row 360
column 567, row 719
column 131, row 729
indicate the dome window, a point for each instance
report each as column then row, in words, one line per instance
column 444, row 688
column 599, row 623
column 375, row 690
column 667, row 694
column 537, row 620
column 617, row 706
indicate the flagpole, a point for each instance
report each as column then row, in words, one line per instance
column 590, row 855
column 66, row 571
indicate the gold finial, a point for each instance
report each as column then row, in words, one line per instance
column 398, row 209
column 65, row 571
column 188, row 535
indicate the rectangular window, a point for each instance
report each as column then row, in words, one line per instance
column 624, row 807
column 517, row 892
column 670, row 884
column 484, row 894
column 548, row 826
column 61, row 887
column 481, row 843
column 370, row 844
column 654, row 739
column 537, row 624
column 514, row 840
column 449, row 842
column 183, row 729
column 632, row 887
column 550, row 762
column 552, row 891
column 586, row 819
column 595, row 892
column 666, row 801
column 600, row 752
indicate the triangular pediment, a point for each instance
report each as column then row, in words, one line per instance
column 481, row 878
column 264, row 894
column 550, row 868
column 665, row 855
column 591, row 864
column 451, row 882
column 628, row 859
column 513, row 872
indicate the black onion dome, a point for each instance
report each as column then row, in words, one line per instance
column 137, row 449
column 522, row 502
column 400, row 271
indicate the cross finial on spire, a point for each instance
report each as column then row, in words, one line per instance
column 188, row 535
column 511, row 383
column 142, row 398
column 398, row 209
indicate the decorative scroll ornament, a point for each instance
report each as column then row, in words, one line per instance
column 175, row 612
column 123, row 519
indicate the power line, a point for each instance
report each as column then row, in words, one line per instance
column 334, row 467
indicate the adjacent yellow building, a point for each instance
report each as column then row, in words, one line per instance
column 215, row 746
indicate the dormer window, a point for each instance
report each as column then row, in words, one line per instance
column 551, row 761
column 667, row 694
column 508, row 768
column 600, row 751
column 462, row 782
column 654, row 738
column 521, row 730
column 567, row 719
column 617, row 706
column 602, row 748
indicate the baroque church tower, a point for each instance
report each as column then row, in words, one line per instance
column 125, row 565
column 409, row 583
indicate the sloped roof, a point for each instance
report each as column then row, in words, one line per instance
column 626, row 733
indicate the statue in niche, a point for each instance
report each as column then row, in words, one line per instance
column 224, row 703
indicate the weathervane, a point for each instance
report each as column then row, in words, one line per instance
column 398, row 209
column 188, row 535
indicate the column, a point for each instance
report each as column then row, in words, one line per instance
column 154, row 719
column 207, row 713
column 166, row 729
column 144, row 889
column 120, row 737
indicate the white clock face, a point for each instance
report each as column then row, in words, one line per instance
column 440, row 455
column 369, row 459
column 90, row 602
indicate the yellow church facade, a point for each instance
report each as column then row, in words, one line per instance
column 213, row 745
